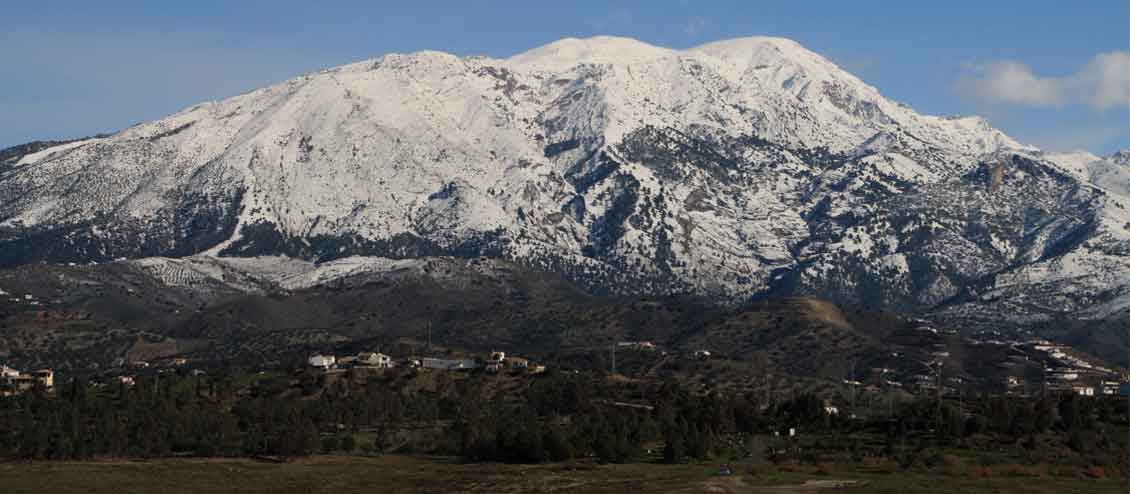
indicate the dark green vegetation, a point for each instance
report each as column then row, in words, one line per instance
column 559, row 416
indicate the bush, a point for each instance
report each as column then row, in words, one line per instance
column 978, row 472
column 756, row 470
column 329, row 444
column 953, row 466
column 1097, row 472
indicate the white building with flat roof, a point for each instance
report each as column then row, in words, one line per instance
column 322, row 361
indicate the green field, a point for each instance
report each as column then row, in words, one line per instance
column 337, row 474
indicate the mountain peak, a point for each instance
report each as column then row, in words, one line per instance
column 568, row 52
column 750, row 46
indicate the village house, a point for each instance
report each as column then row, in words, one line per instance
column 1083, row 390
column 1013, row 385
column 18, row 384
column 322, row 361
column 8, row 372
column 14, row 381
column 373, row 359
column 637, row 345
column 45, row 377
column 493, row 367
column 517, row 363
column 702, row 354
column 1109, row 388
column 498, row 357
column 830, row 409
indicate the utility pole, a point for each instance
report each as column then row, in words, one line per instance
column 939, row 433
column 613, row 357
column 890, row 402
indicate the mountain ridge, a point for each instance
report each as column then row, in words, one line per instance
column 731, row 170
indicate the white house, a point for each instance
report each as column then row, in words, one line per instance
column 372, row 359
column 46, row 377
column 702, row 354
column 322, row 361
column 1083, row 390
column 8, row 372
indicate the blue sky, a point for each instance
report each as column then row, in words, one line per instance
column 1035, row 69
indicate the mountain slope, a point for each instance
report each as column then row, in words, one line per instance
column 734, row 169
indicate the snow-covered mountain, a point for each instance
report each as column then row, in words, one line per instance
column 733, row 169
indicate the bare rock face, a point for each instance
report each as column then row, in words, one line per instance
column 730, row 170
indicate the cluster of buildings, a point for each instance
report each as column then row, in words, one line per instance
column 494, row 363
column 1067, row 373
column 14, row 382
column 363, row 359
column 28, row 299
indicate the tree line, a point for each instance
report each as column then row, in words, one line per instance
column 556, row 416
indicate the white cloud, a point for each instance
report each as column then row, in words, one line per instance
column 1105, row 80
column 1103, row 83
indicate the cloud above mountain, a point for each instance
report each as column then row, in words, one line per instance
column 1103, row 83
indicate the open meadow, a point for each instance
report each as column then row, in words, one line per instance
column 406, row 474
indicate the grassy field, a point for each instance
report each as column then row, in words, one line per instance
column 337, row 474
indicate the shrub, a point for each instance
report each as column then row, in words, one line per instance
column 756, row 470
column 329, row 444
column 978, row 472
column 953, row 465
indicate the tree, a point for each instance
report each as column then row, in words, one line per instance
column 674, row 451
column 329, row 444
column 556, row 445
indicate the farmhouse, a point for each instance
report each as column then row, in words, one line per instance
column 14, row 381
column 372, row 359
column 517, row 363
column 46, row 377
column 322, row 361
column 8, row 372
column 1083, row 390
